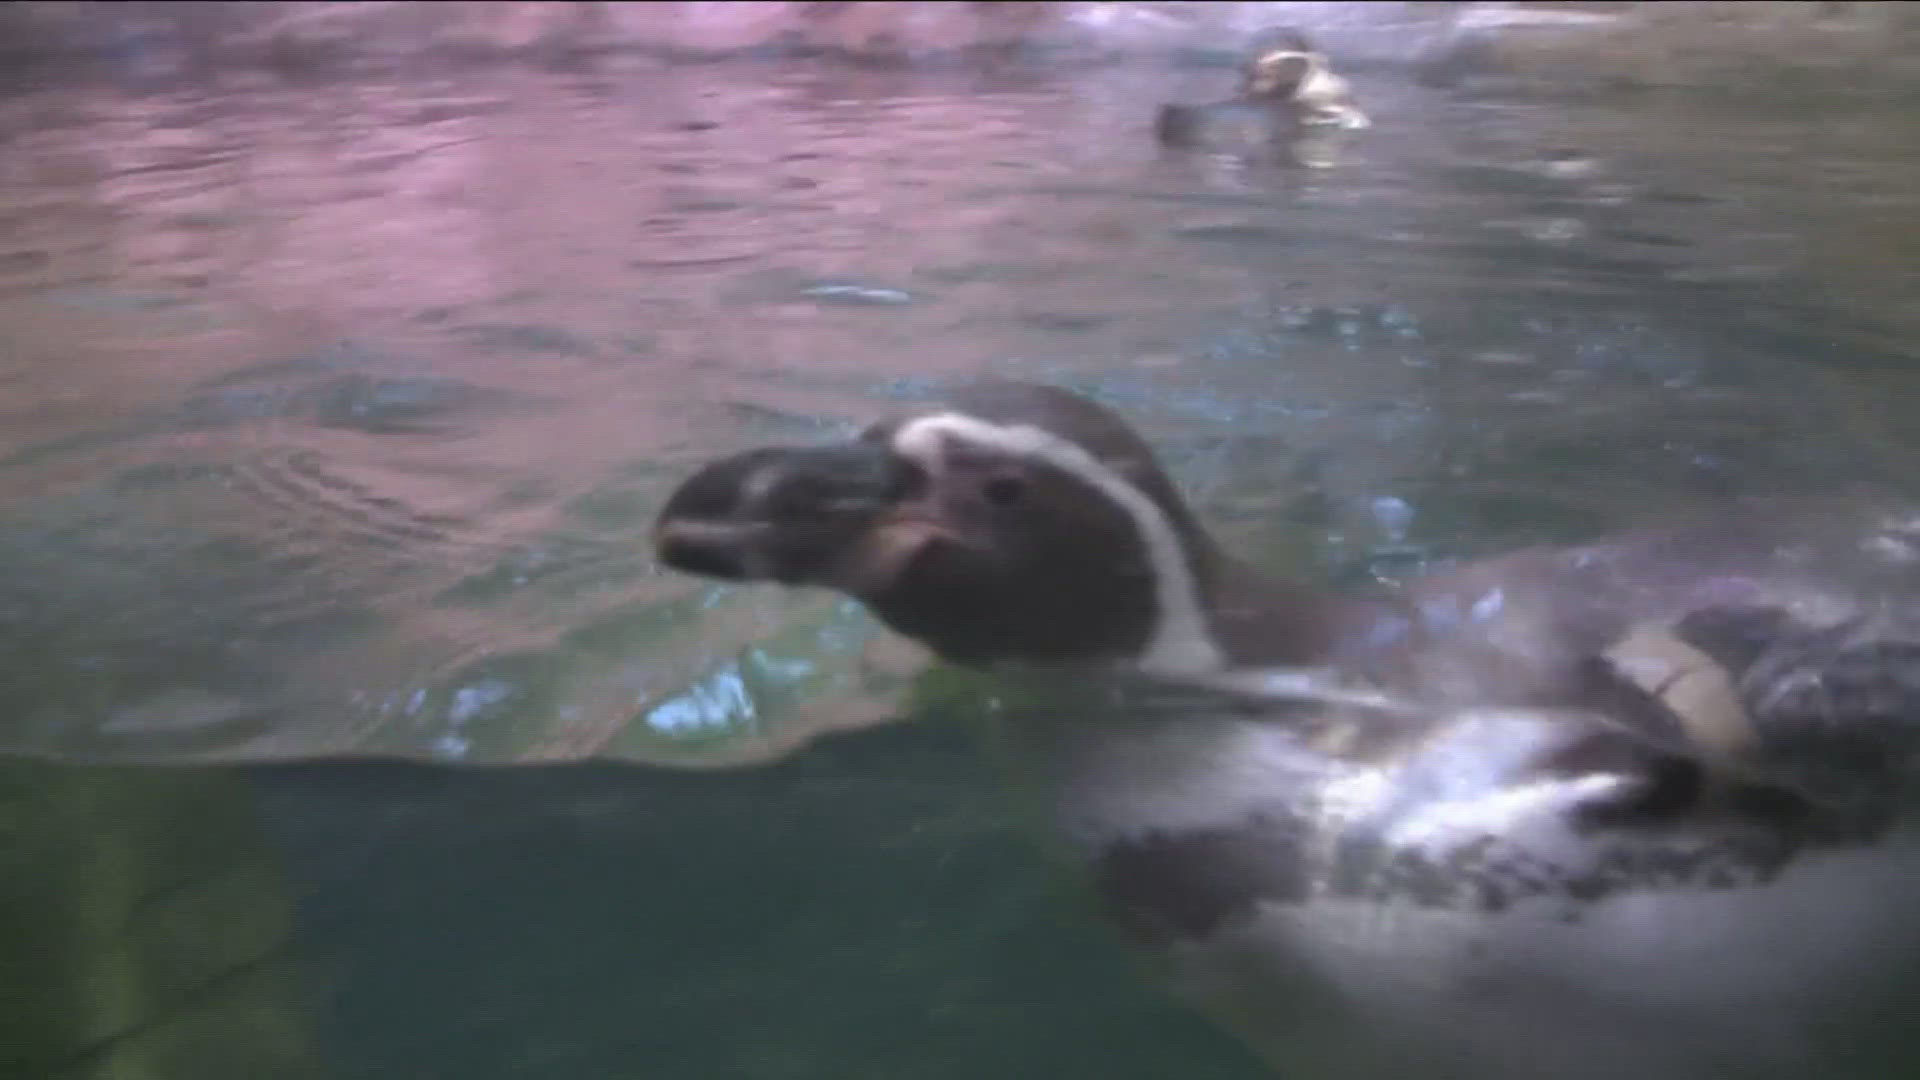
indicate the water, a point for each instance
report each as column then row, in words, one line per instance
column 332, row 418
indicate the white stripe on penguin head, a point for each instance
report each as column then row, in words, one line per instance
column 1180, row 644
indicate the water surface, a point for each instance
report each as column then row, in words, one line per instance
column 332, row 418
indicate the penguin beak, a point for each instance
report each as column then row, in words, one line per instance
column 820, row 516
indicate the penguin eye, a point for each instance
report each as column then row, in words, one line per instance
column 1003, row 489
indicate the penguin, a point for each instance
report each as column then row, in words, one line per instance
column 1287, row 86
column 1641, row 806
